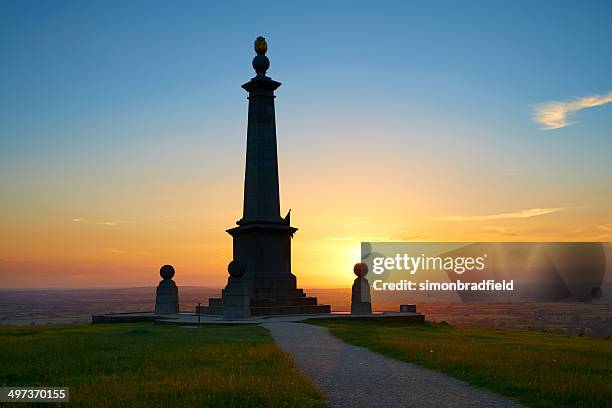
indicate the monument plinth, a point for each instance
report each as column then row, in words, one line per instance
column 262, row 239
column 166, row 299
column 236, row 301
column 361, row 302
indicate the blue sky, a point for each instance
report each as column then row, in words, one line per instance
column 64, row 62
column 101, row 96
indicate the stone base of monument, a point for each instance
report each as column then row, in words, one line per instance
column 361, row 308
column 166, row 301
column 193, row 319
column 235, row 302
column 361, row 302
column 268, row 302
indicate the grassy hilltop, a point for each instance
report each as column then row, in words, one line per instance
column 153, row 365
column 539, row 369
column 149, row 365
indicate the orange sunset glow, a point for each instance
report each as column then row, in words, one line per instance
column 124, row 145
column 88, row 234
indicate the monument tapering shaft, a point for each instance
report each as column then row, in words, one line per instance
column 261, row 192
column 261, row 281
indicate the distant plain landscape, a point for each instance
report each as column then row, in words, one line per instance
column 75, row 306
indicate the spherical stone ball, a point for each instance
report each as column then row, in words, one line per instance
column 166, row 272
column 236, row 269
column 261, row 63
column 360, row 269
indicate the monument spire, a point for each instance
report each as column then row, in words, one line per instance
column 261, row 281
column 261, row 192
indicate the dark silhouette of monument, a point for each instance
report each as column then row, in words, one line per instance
column 166, row 299
column 361, row 302
column 236, row 299
column 262, row 239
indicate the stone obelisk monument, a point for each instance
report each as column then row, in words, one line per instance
column 262, row 239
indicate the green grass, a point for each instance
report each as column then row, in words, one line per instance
column 149, row 365
column 538, row 369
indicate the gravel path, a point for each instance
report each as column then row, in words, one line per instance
column 353, row 376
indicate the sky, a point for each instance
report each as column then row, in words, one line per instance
column 123, row 131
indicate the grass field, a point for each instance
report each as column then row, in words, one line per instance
column 151, row 365
column 538, row 369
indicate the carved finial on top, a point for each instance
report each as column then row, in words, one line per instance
column 261, row 63
column 261, row 47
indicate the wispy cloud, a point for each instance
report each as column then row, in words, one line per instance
column 354, row 224
column 553, row 114
column 106, row 223
column 123, row 252
column 534, row 212
column 338, row 239
column 359, row 239
column 606, row 227
column 501, row 230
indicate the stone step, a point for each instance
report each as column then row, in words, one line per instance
column 270, row 310
column 264, row 293
column 284, row 310
column 214, row 302
column 271, row 302
column 295, row 301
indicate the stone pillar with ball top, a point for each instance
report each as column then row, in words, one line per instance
column 361, row 302
column 166, row 300
column 236, row 303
